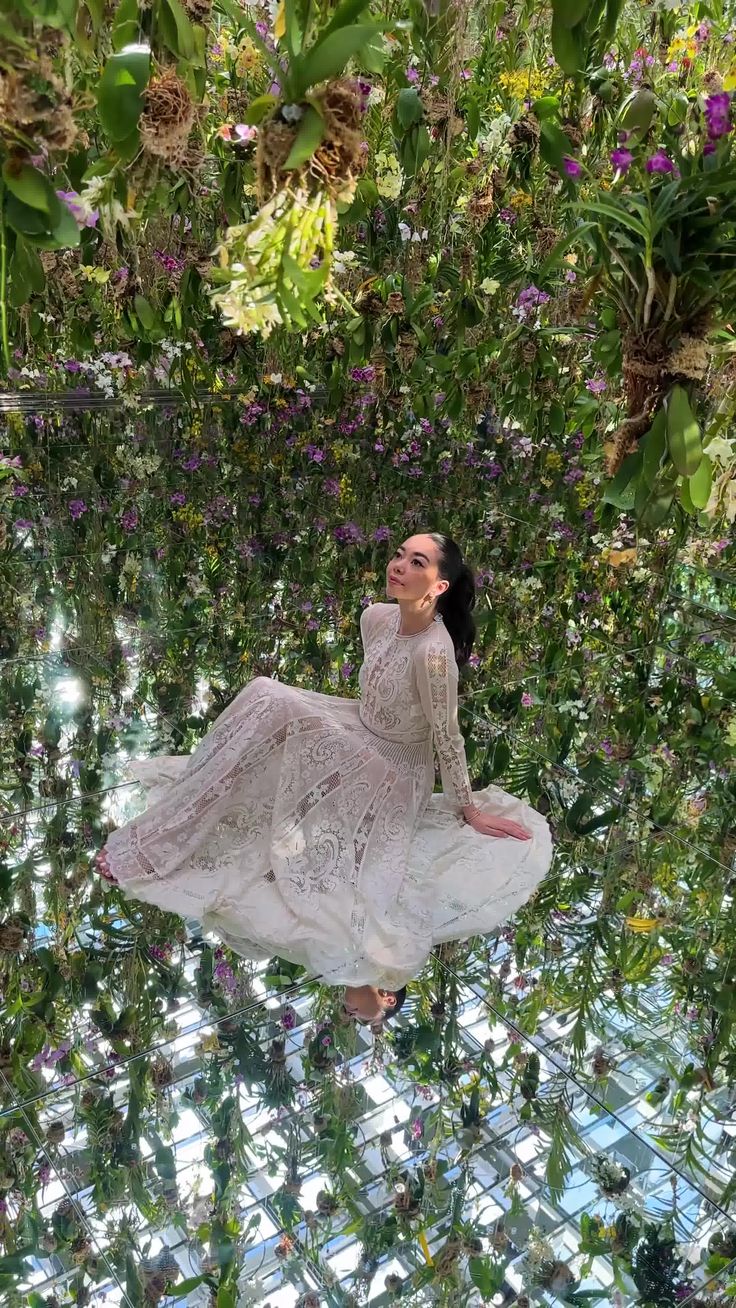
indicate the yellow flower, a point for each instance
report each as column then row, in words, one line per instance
column 520, row 199
column 248, row 57
column 619, row 558
column 682, row 46
column 209, row 1044
column 522, row 84
column 642, row 925
column 554, row 459
column 99, row 275
column 188, row 516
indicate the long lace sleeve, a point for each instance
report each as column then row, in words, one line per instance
column 370, row 616
column 437, row 681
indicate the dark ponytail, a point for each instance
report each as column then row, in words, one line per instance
column 456, row 604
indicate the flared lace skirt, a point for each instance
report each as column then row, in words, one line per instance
column 294, row 830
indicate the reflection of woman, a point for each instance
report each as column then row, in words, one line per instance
column 305, row 825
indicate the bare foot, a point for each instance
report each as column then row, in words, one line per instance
column 102, row 866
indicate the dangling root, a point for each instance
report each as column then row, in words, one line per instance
column 626, row 438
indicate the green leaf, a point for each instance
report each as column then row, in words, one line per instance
column 96, row 11
column 309, row 281
column 345, row 15
column 556, row 419
column 259, row 109
column 22, row 218
column 623, row 487
column 184, row 1287
column 658, row 505
column 125, row 24
column 9, row 34
column 561, row 248
column 409, row 107
column 176, row 29
column 553, row 144
column 701, row 483
column 146, row 314
column 547, row 106
column 653, row 446
column 120, row 92
column 30, row 186
column 372, row 58
column 486, row 1275
column 678, row 109
column 328, row 57
column 685, row 499
column 637, row 111
column 567, row 48
column 65, row 234
column 600, row 820
column 617, row 214
column 310, row 134
column 683, row 433
column 415, row 149
column 613, row 13
column 472, row 118
column 569, row 12
column 26, row 273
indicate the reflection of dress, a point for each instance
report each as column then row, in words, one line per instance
column 305, row 825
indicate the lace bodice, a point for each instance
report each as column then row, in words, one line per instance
column 408, row 687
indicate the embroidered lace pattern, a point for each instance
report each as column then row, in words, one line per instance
column 301, row 819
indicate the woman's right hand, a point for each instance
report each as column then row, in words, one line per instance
column 488, row 824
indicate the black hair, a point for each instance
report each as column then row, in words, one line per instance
column 456, row 604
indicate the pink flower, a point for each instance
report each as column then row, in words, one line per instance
column 659, row 162
column 526, row 700
column 718, row 114
column 622, row 160
column 572, row 167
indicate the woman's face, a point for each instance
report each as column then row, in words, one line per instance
column 367, row 1003
column 413, row 572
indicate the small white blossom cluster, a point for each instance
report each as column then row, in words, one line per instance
column 141, row 465
column 98, row 195
column 388, row 175
column 494, row 140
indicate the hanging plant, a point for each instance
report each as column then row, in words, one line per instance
column 663, row 250
column 309, row 157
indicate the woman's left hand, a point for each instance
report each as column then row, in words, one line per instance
column 489, row 825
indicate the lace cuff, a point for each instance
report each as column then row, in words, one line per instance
column 437, row 683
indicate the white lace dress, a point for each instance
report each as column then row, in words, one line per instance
column 305, row 825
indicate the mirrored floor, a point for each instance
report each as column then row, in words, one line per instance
column 550, row 1118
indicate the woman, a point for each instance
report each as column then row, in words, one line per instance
column 305, row 825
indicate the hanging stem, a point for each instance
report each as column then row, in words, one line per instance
column 4, row 282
